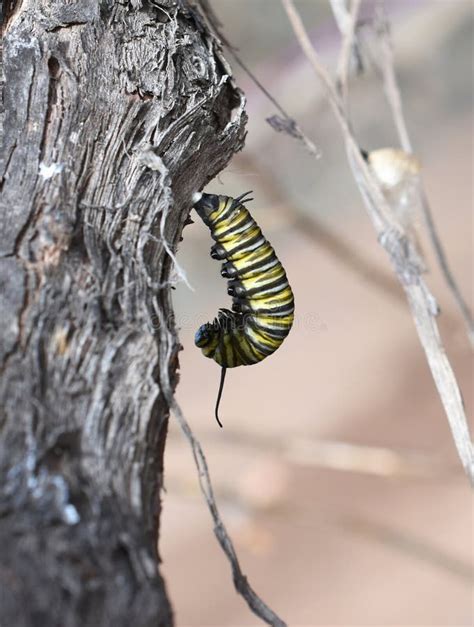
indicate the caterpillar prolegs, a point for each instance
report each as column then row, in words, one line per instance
column 262, row 300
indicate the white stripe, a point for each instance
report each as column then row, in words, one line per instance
column 271, row 290
column 231, row 235
column 267, row 266
column 248, row 248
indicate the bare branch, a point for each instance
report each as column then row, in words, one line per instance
column 347, row 27
column 392, row 90
column 402, row 252
column 342, row 15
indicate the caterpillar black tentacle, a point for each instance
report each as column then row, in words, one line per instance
column 219, row 394
column 262, row 300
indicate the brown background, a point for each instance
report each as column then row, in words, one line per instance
column 330, row 535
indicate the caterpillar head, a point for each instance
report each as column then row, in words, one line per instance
column 207, row 337
column 207, row 207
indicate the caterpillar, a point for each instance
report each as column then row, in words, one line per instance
column 262, row 300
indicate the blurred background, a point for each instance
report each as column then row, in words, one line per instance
column 335, row 471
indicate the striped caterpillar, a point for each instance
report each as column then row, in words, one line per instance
column 262, row 300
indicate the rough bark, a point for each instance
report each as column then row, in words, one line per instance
column 115, row 112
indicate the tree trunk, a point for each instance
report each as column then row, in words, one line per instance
column 115, row 113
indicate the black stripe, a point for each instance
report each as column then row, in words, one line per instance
column 227, row 212
column 251, row 223
column 224, row 349
column 290, row 308
column 266, row 286
column 246, row 243
column 262, row 348
column 265, row 275
column 258, row 264
column 244, row 359
column 258, row 357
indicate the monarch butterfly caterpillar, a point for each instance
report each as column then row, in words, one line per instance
column 262, row 300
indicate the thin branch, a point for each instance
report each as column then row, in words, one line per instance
column 243, row 587
column 341, row 14
column 393, row 95
column 347, row 28
column 403, row 255
column 392, row 90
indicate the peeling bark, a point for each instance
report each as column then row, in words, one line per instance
column 114, row 114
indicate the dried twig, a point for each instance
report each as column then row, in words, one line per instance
column 342, row 15
column 402, row 253
column 347, row 27
column 392, row 91
column 255, row 603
